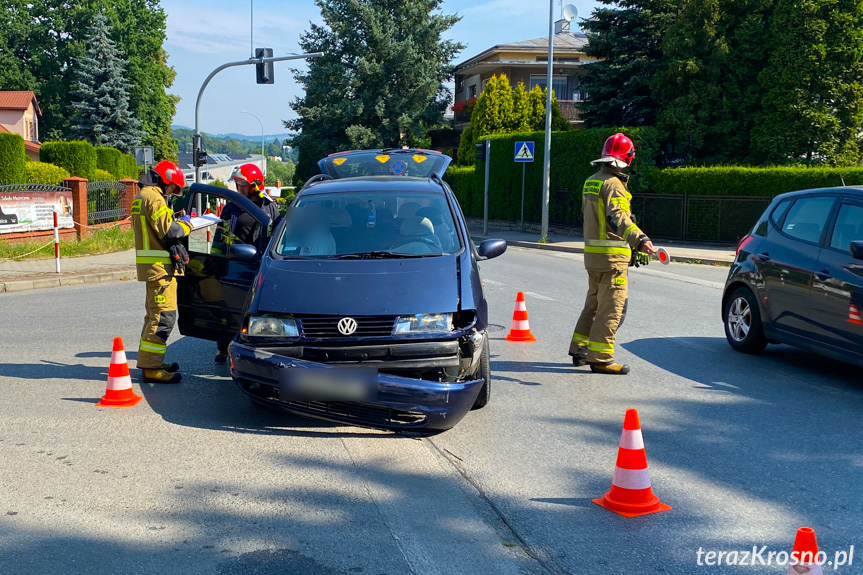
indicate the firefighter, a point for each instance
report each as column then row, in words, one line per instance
column 238, row 226
column 160, row 258
column 610, row 235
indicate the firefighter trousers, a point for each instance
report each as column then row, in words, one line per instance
column 161, row 306
column 603, row 310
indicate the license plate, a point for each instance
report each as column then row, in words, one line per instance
column 328, row 384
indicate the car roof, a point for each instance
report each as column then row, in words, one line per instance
column 379, row 184
column 848, row 190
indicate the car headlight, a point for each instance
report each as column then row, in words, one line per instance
column 425, row 323
column 272, row 326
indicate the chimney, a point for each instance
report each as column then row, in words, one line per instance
column 562, row 26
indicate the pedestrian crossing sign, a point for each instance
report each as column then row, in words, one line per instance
column 524, row 151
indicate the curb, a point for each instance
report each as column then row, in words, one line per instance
column 84, row 278
column 580, row 250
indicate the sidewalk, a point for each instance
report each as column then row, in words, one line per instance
column 680, row 252
column 34, row 274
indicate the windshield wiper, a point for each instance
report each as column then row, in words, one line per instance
column 382, row 255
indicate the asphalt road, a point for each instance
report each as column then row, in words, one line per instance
column 195, row 480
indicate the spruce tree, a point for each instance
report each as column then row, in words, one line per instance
column 100, row 100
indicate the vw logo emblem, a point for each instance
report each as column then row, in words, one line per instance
column 347, row 325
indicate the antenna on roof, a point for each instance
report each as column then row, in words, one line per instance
column 843, row 180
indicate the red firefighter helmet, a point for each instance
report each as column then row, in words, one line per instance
column 170, row 173
column 252, row 174
column 618, row 147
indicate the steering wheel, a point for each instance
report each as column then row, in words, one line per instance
column 411, row 247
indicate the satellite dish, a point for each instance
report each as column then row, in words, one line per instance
column 570, row 13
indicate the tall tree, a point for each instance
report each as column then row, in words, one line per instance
column 812, row 103
column 625, row 38
column 708, row 94
column 381, row 80
column 100, row 99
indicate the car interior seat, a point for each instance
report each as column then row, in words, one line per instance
column 443, row 231
column 418, row 237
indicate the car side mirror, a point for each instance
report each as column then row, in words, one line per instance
column 243, row 252
column 856, row 249
column 491, row 249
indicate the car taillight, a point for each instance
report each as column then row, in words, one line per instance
column 743, row 243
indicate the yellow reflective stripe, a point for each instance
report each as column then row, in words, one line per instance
column 147, row 261
column 152, row 347
column 607, row 250
column 592, row 187
column 578, row 338
column 152, row 257
column 136, row 207
column 145, row 234
column 606, row 243
column 621, row 203
column 601, row 207
column 153, row 253
column 629, row 230
column 600, row 347
column 160, row 212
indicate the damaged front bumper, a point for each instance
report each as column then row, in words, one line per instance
column 395, row 402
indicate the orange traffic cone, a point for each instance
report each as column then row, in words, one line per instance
column 119, row 390
column 520, row 327
column 805, row 553
column 631, row 494
column 854, row 315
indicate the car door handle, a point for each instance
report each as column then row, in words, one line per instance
column 764, row 257
column 823, row 275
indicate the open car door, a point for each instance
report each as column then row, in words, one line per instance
column 212, row 295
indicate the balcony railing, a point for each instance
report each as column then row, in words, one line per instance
column 569, row 110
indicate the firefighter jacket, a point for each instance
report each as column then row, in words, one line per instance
column 610, row 235
column 240, row 227
column 155, row 229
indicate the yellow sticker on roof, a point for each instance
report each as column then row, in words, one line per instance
column 419, row 159
column 340, row 161
column 382, row 159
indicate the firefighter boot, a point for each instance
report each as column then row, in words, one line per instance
column 580, row 358
column 171, row 367
column 221, row 357
column 160, row 376
column 609, row 368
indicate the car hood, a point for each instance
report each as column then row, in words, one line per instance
column 359, row 287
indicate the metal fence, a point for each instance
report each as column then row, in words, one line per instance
column 104, row 202
column 720, row 219
column 32, row 188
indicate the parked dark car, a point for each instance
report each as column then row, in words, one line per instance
column 798, row 276
column 364, row 305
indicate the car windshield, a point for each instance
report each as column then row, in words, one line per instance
column 373, row 225
column 410, row 163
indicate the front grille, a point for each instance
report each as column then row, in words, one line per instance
column 327, row 326
column 361, row 413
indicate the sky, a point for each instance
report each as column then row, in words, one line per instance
column 204, row 34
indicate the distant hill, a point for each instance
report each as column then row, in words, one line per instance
column 254, row 137
column 234, row 143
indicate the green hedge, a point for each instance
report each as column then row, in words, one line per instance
column 104, row 176
column 44, row 173
column 572, row 153
column 119, row 164
column 462, row 181
column 742, row 181
column 13, row 159
column 78, row 157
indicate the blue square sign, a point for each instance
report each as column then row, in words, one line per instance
column 524, row 151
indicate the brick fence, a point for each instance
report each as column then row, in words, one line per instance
column 79, row 213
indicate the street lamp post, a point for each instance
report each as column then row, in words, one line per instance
column 546, row 160
column 263, row 158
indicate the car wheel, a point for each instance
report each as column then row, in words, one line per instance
column 484, row 374
column 743, row 328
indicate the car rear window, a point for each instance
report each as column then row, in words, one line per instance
column 779, row 211
column 388, row 163
column 376, row 224
column 807, row 218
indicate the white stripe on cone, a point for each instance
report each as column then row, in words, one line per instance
column 631, row 439
column 631, row 478
column 520, row 306
column 119, row 383
column 118, row 356
column 521, row 325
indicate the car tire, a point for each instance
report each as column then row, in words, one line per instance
column 742, row 319
column 484, row 373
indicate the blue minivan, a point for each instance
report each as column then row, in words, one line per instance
column 362, row 305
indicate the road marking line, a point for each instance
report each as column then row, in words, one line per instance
column 537, row 296
column 492, row 282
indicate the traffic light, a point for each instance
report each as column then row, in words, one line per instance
column 265, row 70
column 199, row 156
column 480, row 152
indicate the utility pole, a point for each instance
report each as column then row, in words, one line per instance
column 546, row 159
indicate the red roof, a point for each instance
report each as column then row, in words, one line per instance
column 3, row 129
column 18, row 100
column 32, row 146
